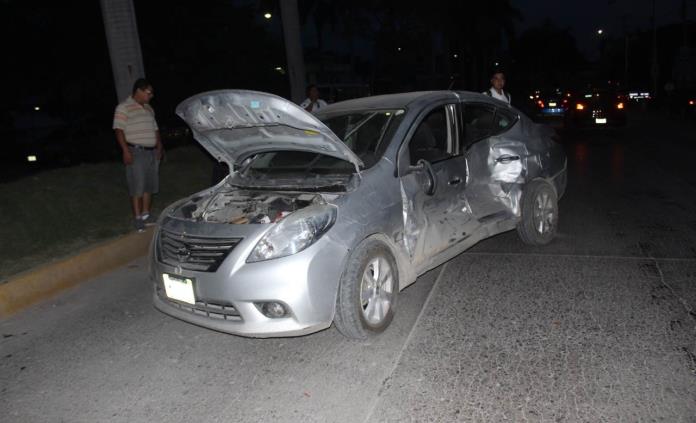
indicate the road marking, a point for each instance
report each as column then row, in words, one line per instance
column 682, row 301
column 583, row 256
column 373, row 405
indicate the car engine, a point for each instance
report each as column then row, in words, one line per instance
column 244, row 207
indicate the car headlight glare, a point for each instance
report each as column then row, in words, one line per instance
column 294, row 233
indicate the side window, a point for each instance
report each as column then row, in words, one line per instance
column 430, row 140
column 503, row 121
column 478, row 122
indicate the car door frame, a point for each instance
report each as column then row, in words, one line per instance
column 425, row 237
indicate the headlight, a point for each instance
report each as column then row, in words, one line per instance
column 294, row 233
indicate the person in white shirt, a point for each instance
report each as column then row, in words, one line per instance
column 313, row 103
column 497, row 85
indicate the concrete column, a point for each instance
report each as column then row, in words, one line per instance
column 293, row 49
column 124, row 44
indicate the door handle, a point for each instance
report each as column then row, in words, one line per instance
column 506, row 159
column 455, row 181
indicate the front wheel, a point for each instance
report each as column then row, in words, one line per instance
column 539, row 221
column 367, row 292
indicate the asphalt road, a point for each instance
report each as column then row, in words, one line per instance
column 598, row 326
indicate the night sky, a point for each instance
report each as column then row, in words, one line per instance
column 583, row 18
column 63, row 50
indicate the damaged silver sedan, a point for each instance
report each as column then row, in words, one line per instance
column 325, row 219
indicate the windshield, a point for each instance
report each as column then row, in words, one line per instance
column 366, row 133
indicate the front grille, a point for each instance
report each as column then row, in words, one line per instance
column 217, row 311
column 201, row 254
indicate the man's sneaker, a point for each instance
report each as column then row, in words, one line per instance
column 139, row 225
column 148, row 219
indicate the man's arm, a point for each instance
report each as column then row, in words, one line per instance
column 307, row 104
column 121, row 139
column 159, row 149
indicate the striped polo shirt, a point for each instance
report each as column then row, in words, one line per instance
column 137, row 122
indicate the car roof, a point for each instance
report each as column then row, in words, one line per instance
column 403, row 100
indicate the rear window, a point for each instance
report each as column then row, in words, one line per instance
column 503, row 120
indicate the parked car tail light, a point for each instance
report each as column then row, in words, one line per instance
column 691, row 102
column 620, row 106
column 294, row 233
column 540, row 104
column 580, row 106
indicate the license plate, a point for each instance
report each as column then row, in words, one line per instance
column 552, row 104
column 178, row 288
column 601, row 120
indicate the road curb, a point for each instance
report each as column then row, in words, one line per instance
column 33, row 286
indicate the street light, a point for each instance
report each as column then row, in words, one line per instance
column 600, row 31
column 267, row 15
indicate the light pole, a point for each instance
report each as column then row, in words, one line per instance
column 293, row 49
column 654, row 68
column 600, row 44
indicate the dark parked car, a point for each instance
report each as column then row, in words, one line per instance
column 686, row 103
column 550, row 104
column 597, row 108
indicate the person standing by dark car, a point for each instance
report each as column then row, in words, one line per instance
column 497, row 87
column 138, row 136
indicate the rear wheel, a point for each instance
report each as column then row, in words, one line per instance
column 539, row 214
column 367, row 292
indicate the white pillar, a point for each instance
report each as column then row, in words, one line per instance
column 124, row 44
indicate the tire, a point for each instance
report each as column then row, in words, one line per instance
column 367, row 292
column 539, row 221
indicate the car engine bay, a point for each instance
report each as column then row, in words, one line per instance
column 245, row 207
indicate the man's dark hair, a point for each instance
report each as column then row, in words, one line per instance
column 309, row 88
column 497, row 70
column 140, row 84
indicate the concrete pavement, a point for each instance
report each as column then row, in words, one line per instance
column 597, row 326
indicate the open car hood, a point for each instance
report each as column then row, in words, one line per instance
column 234, row 124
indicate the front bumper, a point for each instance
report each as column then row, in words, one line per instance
column 306, row 283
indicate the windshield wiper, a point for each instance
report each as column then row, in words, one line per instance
column 358, row 126
column 312, row 163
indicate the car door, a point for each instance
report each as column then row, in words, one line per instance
column 495, row 162
column 434, row 207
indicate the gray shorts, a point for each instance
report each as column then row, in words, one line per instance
column 142, row 174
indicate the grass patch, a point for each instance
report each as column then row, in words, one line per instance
column 53, row 214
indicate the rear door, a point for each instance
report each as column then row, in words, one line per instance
column 495, row 162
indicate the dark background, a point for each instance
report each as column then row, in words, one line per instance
column 59, row 61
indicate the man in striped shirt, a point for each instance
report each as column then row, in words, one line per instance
column 138, row 136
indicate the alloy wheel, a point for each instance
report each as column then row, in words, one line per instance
column 376, row 290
